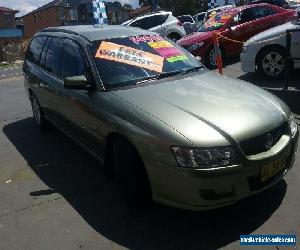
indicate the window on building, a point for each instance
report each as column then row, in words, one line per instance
column 73, row 14
column 53, row 57
column 8, row 18
column 35, row 48
column 34, row 18
column 61, row 13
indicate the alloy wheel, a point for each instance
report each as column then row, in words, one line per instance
column 36, row 110
column 273, row 64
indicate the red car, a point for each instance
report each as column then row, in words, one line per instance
column 240, row 24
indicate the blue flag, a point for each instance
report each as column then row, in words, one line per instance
column 99, row 11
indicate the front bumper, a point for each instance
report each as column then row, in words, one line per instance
column 207, row 189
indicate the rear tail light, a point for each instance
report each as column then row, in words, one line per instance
column 179, row 23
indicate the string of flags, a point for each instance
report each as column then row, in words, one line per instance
column 217, row 3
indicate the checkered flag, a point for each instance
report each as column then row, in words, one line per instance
column 212, row 4
column 99, row 12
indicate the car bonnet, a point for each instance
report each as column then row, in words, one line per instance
column 189, row 104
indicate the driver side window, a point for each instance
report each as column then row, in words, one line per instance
column 246, row 16
column 71, row 62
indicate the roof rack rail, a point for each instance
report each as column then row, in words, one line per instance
column 58, row 30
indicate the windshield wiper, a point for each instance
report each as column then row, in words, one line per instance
column 168, row 74
column 160, row 76
column 192, row 70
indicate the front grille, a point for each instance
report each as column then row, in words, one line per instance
column 258, row 144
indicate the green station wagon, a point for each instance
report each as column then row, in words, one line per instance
column 161, row 124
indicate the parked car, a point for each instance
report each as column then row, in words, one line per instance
column 188, row 23
column 204, row 16
column 238, row 24
column 280, row 3
column 163, row 23
column 268, row 57
column 161, row 124
column 199, row 18
column 294, row 4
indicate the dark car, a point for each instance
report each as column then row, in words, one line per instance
column 238, row 24
column 161, row 124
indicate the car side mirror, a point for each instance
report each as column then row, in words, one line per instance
column 76, row 82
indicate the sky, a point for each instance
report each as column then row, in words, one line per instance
column 25, row 6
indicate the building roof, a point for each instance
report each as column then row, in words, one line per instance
column 51, row 4
column 4, row 9
column 100, row 32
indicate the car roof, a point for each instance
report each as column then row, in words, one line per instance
column 237, row 9
column 99, row 32
column 222, row 7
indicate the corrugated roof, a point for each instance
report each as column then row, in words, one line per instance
column 48, row 5
column 4, row 9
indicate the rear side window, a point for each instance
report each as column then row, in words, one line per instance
column 185, row 19
column 71, row 62
column 53, row 57
column 255, row 13
column 150, row 22
column 35, row 49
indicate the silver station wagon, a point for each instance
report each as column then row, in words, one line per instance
column 161, row 124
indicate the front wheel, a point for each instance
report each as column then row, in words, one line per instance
column 271, row 62
column 130, row 174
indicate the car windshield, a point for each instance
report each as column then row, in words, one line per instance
column 131, row 60
column 216, row 22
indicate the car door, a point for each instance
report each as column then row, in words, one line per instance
column 248, row 23
column 77, row 106
column 32, row 68
column 48, row 81
column 158, row 24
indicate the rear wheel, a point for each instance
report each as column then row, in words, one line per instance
column 37, row 112
column 130, row 174
column 271, row 62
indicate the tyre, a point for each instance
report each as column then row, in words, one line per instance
column 174, row 37
column 271, row 62
column 129, row 174
column 210, row 58
column 38, row 115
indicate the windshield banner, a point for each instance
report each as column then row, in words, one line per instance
column 131, row 56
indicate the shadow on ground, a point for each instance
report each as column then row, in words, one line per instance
column 69, row 171
column 290, row 96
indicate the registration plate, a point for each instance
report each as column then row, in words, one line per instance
column 273, row 168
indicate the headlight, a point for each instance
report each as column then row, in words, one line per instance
column 205, row 158
column 293, row 126
column 194, row 46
